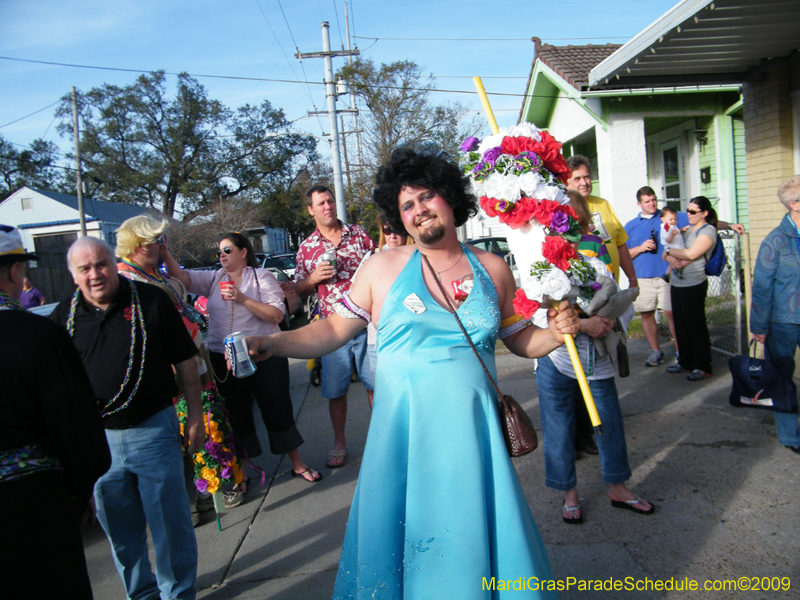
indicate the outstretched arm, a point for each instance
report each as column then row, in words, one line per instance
column 316, row 339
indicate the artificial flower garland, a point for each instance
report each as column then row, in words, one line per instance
column 216, row 463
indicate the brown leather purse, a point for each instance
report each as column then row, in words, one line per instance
column 518, row 431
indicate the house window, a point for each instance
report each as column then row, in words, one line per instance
column 672, row 169
column 26, row 204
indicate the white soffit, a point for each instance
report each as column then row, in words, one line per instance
column 701, row 42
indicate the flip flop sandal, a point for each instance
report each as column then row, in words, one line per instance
column 302, row 475
column 629, row 505
column 336, row 454
column 572, row 510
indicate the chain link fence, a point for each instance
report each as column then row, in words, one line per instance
column 725, row 310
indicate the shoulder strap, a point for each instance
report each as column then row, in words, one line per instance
column 463, row 330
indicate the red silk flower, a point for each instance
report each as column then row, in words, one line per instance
column 558, row 251
column 548, row 149
column 523, row 306
column 544, row 211
column 521, row 213
column 515, row 145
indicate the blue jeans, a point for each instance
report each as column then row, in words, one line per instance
column 144, row 486
column 783, row 340
column 557, row 406
column 338, row 366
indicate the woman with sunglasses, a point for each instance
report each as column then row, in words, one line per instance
column 242, row 297
column 688, row 290
column 389, row 238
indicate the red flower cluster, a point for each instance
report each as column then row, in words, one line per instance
column 544, row 211
column 523, row 306
column 558, row 251
column 515, row 218
column 525, row 209
column 548, row 149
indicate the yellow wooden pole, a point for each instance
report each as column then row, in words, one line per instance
column 583, row 383
column 486, row 106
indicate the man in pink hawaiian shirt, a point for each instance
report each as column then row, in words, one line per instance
column 349, row 243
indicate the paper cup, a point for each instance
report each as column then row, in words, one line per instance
column 226, row 287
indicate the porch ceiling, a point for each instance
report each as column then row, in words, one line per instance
column 705, row 42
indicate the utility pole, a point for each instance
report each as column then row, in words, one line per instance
column 344, row 151
column 330, row 92
column 76, row 135
column 352, row 94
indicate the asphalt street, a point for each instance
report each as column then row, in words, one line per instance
column 727, row 497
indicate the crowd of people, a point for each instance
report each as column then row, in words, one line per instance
column 101, row 434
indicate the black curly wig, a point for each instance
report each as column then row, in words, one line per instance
column 423, row 166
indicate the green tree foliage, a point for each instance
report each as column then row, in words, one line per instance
column 400, row 109
column 34, row 166
column 140, row 145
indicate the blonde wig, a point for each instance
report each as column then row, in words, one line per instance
column 137, row 232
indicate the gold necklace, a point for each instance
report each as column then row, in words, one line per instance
column 439, row 273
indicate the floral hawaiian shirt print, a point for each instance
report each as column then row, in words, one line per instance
column 355, row 243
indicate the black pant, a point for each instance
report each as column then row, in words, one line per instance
column 691, row 329
column 269, row 385
column 42, row 548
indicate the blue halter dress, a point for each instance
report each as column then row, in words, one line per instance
column 438, row 510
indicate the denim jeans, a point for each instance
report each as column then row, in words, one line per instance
column 783, row 340
column 338, row 366
column 145, row 486
column 557, row 406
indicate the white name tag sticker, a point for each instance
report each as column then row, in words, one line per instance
column 414, row 304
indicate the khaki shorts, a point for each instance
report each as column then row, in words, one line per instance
column 653, row 292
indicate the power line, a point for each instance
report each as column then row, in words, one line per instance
column 338, row 24
column 241, row 78
column 305, row 77
column 30, row 115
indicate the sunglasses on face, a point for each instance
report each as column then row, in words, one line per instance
column 693, row 212
column 226, row 250
column 161, row 239
column 388, row 231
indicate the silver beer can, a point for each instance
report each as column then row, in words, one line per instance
column 236, row 351
column 329, row 256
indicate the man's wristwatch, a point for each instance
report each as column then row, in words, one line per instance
column 667, row 250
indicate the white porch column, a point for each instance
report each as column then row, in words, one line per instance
column 622, row 165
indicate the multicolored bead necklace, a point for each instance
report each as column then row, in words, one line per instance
column 187, row 311
column 136, row 318
column 9, row 303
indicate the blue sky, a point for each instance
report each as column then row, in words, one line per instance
column 258, row 39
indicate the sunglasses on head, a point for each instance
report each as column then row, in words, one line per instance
column 693, row 212
column 226, row 250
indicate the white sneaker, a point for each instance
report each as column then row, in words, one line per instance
column 656, row 358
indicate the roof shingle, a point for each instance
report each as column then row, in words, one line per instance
column 573, row 63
